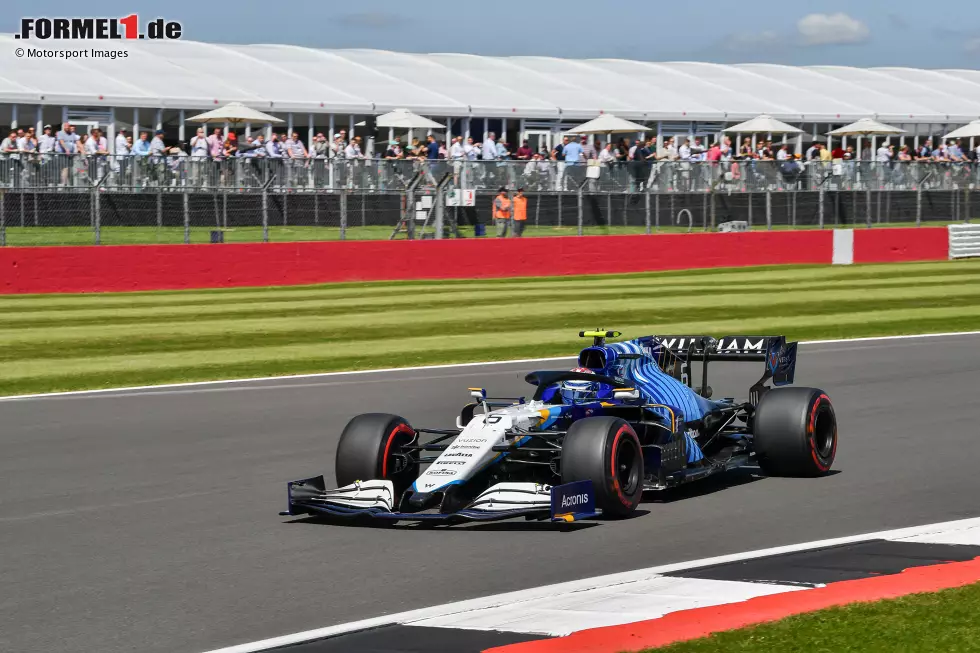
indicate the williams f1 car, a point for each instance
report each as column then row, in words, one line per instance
column 588, row 442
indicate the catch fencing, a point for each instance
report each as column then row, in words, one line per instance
column 57, row 199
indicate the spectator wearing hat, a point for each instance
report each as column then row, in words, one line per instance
column 502, row 212
column 520, row 213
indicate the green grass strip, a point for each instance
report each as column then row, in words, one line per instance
column 944, row 621
column 69, row 342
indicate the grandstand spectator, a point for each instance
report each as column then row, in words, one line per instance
column 295, row 148
column 883, row 155
column 120, row 146
column 273, row 149
column 249, row 149
column 607, row 156
column 783, row 153
column 8, row 159
column 745, row 150
column 924, row 152
column 684, row 151
column 66, row 144
column 588, row 149
column 524, row 152
column 296, row 156
column 502, row 212
column 697, row 150
column 573, row 151
column 96, row 144
column 321, row 148
column 457, row 152
column 394, row 150
column 28, row 147
column 503, row 150
column 46, row 142
column 471, row 150
column 230, row 146
column 431, row 148
column 490, row 147
column 353, row 149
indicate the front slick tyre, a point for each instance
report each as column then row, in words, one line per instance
column 371, row 447
column 606, row 451
column 795, row 432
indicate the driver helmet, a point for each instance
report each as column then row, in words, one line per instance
column 575, row 391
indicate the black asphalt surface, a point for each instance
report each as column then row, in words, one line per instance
column 147, row 520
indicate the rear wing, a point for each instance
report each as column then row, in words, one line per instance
column 778, row 355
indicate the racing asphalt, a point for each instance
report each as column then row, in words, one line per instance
column 147, row 520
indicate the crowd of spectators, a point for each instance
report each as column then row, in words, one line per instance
column 64, row 157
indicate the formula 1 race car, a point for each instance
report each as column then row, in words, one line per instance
column 588, row 442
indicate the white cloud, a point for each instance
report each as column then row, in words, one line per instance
column 832, row 29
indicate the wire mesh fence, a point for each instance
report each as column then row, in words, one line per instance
column 100, row 215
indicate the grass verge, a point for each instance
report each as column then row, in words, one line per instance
column 71, row 342
column 940, row 621
column 84, row 235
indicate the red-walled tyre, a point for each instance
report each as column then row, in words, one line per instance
column 606, row 451
column 795, row 432
column 371, row 447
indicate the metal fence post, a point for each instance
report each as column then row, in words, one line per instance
column 343, row 217
column 3, row 220
column 820, row 207
column 22, row 217
column 224, row 210
column 918, row 207
column 867, row 219
column 704, row 211
column 316, row 209
column 580, row 211
column 750, row 208
column 265, row 215
column 646, row 210
column 559, row 207
column 793, row 214
column 160, row 207
column 97, row 215
column 187, row 219
column 285, row 208
column 769, row 210
column 656, row 211
column 712, row 202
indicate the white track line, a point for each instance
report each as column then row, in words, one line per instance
column 387, row 370
column 944, row 531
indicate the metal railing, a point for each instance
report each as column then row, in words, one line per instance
column 185, row 173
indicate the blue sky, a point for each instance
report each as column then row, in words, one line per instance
column 855, row 32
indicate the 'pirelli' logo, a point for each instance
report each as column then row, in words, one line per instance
column 99, row 29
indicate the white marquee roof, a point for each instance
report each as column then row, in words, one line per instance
column 282, row 78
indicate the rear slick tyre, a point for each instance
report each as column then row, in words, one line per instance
column 795, row 432
column 371, row 447
column 606, row 451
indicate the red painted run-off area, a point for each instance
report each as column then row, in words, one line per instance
column 160, row 267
